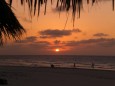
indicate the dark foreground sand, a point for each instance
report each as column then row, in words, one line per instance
column 28, row 76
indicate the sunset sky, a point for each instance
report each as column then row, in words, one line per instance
column 93, row 33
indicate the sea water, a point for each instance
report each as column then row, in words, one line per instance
column 69, row 61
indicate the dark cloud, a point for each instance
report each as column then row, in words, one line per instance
column 36, row 48
column 46, row 43
column 57, row 33
column 57, row 42
column 32, row 38
column 100, row 46
column 44, row 36
column 108, row 43
column 33, row 42
column 105, row 42
column 28, row 39
column 100, row 35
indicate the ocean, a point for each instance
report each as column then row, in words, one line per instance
column 69, row 61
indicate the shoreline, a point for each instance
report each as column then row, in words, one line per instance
column 61, row 67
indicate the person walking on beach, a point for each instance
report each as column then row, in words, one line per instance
column 52, row 65
column 74, row 65
column 92, row 65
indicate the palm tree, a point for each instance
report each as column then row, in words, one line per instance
column 10, row 26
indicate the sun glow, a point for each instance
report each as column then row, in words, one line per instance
column 57, row 50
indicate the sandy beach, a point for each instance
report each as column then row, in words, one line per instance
column 35, row 76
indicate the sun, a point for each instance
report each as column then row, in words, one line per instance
column 57, row 49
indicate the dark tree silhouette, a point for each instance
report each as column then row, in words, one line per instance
column 10, row 26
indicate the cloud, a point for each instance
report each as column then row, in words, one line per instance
column 33, row 42
column 44, row 43
column 28, row 39
column 104, row 42
column 108, row 43
column 44, row 36
column 57, row 33
column 100, row 35
column 57, row 42
column 35, row 48
column 99, row 46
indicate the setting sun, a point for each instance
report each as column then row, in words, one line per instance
column 57, row 50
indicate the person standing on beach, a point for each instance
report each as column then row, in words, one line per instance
column 52, row 65
column 74, row 65
column 92, row 65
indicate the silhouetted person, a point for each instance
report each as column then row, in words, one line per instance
column 3, row 82
column 92, row 65
column 74, row 65
column 52, row 66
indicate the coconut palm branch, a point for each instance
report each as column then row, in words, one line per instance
column 9, row 25
column 113, row 4
column 76, row 4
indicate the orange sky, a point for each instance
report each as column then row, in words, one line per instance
column 93, row 33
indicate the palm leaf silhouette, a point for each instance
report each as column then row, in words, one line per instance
column 9, row 25
column 76, row 4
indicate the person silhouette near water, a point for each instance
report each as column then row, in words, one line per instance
column 74, row 65
column 92, row 65
column 52, row 65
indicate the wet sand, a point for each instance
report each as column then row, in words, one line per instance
column 36, row 76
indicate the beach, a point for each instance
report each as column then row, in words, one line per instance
column 46, row 76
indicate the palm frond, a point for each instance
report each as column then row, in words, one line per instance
column 113, row 4
column 9, row 25
column 76, row 4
